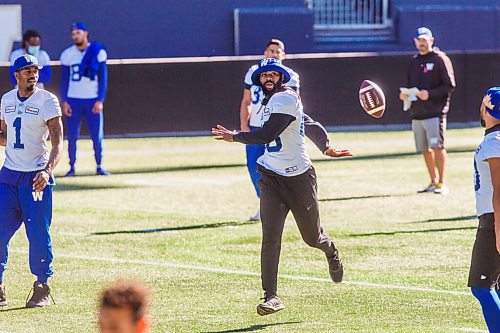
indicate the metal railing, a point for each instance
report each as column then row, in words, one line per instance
column 350, row 14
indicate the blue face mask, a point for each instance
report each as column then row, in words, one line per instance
column 33, row 49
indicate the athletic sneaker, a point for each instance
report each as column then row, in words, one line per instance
column 70, row 173
column 271, row 304
column 3, row 297
column 255, row 217
column 101, row 172
column 40, row 297
column 441, row 188
column 428, row 189
column 335, row 267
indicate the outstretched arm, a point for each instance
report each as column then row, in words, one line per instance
column 270, row 131
column 56, row 138
column 318, row 134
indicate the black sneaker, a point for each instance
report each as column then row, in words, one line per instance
column 335, row 267
column 3, row 297
column 270, row 305
column 40, row 297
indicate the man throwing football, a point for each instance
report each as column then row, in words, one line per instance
column 288, row 178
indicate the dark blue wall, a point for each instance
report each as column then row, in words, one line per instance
column 142, row 29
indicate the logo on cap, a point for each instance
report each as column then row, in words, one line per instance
column 424, row 32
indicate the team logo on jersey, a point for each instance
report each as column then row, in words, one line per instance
column 37, row 196
column 32, row 110
column 267, row 112
column 9, row 109
column 291, row 169
column 428, row 67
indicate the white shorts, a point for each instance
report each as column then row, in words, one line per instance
column 429, row 133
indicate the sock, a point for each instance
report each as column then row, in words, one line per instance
column 490, row 303
column 43, row 279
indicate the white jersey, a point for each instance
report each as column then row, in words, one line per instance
column 287, row 155
column 489, row 148
column 27, row 131
column 42, row 57
column 257, row 95
column 80, row 86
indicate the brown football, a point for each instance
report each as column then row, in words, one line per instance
column 372, row 99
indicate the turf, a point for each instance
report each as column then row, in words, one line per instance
column 174, row 214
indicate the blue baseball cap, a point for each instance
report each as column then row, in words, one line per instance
column 79, row 26
column 269, row 64
column 424, row 32
column 492, row 102
column 25, row 61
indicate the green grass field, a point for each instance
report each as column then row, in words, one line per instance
column 174, row 214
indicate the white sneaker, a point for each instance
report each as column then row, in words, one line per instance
column 441, row 189
column 255, row 217
column 430, row 188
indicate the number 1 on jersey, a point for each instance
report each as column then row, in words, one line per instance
column 17, row 126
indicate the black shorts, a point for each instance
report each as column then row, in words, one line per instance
column 485, row 265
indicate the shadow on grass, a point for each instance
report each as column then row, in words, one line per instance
column 367, row 197
column 447, row 219
column 83, row 187
column 253, row 328
column 182, row 228
column 15, row 309
column 393, row 233
column 237, row 165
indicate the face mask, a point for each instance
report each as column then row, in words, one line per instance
column 33, row 49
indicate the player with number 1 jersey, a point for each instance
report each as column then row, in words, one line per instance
column 28, row 116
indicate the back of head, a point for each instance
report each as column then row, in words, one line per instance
column 128, row 297
column 276, row 42
column 490, row 107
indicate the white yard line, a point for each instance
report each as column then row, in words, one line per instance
column 247, row 273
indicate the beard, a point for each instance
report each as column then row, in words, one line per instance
column 30, row 88
column 276, row 87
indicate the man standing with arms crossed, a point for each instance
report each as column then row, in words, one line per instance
column 288, row 178
column 484, row 276
column 431, row 72
column 84, row 81
column 28, row 116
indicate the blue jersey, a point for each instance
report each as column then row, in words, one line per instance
column 27, row 130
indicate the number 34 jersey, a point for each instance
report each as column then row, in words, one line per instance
column 287, row 155
column 27, row 130
column 80, row 86
column 489, row 148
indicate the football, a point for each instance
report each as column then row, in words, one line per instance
column 372, row 99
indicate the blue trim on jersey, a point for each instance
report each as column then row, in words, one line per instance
column 19, row 178
column 65, row 73
column 102, row 84
column 492, row 129
column 22, row 99
column 248, row 86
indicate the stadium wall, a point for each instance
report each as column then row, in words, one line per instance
column 193, row 94
column 152, row 28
